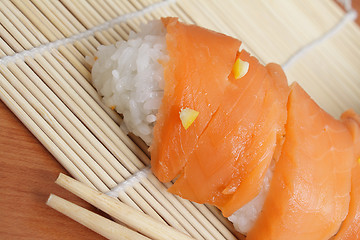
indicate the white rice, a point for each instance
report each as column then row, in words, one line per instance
column 130, row 78
column 244, row 218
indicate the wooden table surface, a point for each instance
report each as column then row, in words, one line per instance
column 27, row 175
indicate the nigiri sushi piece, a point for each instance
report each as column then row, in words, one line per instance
column 309, row 192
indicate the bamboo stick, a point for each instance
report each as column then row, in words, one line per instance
column 107, row 14
column 14, row 32
column 41, row 136
column 123, row 7
column 24, row 20
column 49, row 131
column 87, row 50
column 74, row 21
column 136, row 220
column 95, row 222
column 215, row 216
column 51, row 120
column 74, row 145
column 173, row 206
column 78, row 13
column 50, row 31
column 5, row 35
column 53, row 18
column 87, row 157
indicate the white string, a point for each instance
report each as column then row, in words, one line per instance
column 351, row 15
column 347, row 4
column 130, row 182
column 47, row 47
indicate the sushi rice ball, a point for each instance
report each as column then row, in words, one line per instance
column 130, row 78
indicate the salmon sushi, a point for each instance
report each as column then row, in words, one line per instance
column 309, row 192
column 229, row 131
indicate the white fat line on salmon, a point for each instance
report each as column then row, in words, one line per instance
column 350, row 15
column 90, row 32
column 130, row 182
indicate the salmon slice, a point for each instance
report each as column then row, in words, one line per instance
column 195, row 77
column 352, row 121
column 309, row 192
column 228, row 166
column 350, row 228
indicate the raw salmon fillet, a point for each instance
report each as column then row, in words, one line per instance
column 352, row 121
column 228, row 166
column 195, row 77
column 309, row 192
column 350, row 228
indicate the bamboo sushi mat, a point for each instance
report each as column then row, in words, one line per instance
column 46, row 82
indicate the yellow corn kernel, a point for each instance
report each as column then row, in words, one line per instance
column 240, row 68
column 188, row 116
column 359, row 160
